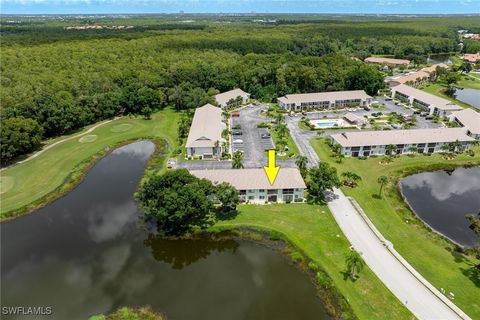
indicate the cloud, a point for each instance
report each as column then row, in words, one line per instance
column 442, row 186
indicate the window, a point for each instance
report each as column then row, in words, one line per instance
column 272, row 191
column 251, row 197
column 261, row 197
column 242, row 192
column 251, row 191
column 261, row 190
column 287, row 191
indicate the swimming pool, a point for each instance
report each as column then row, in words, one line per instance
column 327, row 123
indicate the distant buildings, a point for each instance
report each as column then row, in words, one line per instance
column 471, row 57
column 423, row 100
column 324, row 100
column 469, row 119
column 254, row 187
column 387, row 61
column 416, row 78
column 232, row 98
column 205, row 137
column 367, row 143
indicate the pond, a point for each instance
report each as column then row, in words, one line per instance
column 470, row 96
column 442, row 199
column 87, row 253
column 439, row 58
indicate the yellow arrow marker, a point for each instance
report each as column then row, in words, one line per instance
column 272, row 169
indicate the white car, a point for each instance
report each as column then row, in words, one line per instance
column 237, row 141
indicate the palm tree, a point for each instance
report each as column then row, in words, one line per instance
column 282, row 130
column 279, row 118
column 355, row 264
column 301, row 163
column 351, row 178
column 412, row 150
column 390, row 149
column 237, row 160
column 281, row 145
column 382, row 180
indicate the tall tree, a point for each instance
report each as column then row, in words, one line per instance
column 301, row 163
column 355, row 264
column 382, row 180
column 19, row 136
column 237, row 160
column 320, row 179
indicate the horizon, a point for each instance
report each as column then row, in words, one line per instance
column 266, row 7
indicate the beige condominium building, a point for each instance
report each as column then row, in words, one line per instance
column 470, row 119
column 205, row 137
column 254, row 187
column 367, row 143
column 423, row 100
column 416, row 78
column 387, row 61
column 232, row 98
column 324, row 100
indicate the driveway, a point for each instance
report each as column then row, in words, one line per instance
column 253, row 145
column 302, row 140
column 419, row 296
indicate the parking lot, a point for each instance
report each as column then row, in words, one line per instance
column 248, row 138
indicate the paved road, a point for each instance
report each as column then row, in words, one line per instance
column 402, row 283
column 302, row 140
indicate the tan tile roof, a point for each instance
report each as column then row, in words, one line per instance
column 351, row 117
column 411, row 136
column 323, row 96
column 224, row 97
column 469, row 118
column 430, row 99
column 206, row 127
column 248, row 179
column 387, row 61
column 433, row 67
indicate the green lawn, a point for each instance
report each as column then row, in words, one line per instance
column 29, row 182
column 313, row 230
column 292, row 147
column 430, row 254
column 466, row 82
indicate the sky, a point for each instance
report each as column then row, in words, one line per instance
column 241, row 6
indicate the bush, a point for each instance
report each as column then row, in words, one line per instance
column 297, row 256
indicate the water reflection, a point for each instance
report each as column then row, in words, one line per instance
column 181, row 253
column 443, row 199
column 85, row 254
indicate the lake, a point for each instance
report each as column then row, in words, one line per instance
column 470, row 96
column 442, row 199
column 439, row 58
column 88, row 253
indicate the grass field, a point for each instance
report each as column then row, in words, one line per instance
column 26, row 183
column 313, row 230
column 470, row 82
column 430, row 254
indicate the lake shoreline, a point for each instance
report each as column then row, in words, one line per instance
column 77, row 175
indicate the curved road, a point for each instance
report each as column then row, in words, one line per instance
column 414, row 291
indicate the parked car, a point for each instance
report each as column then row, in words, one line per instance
column 366, row 108
column 238, row 141
column 388, row 99
column 416, row 112
column 237, row 133
column 429, row 117
column 265, row 135
column 234, row 115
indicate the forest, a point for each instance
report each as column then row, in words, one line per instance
column 54, row 81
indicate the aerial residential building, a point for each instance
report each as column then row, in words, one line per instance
column 367, row 143
column 232, row 98
column 205, row 137
column 416, row 78
column 324, row 100
column 471, row 57
column 254, row 187
column 387, row 61
column 470, row 119
column 423, row 100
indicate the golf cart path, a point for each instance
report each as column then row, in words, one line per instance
column 414, row 291
column 36, row 154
